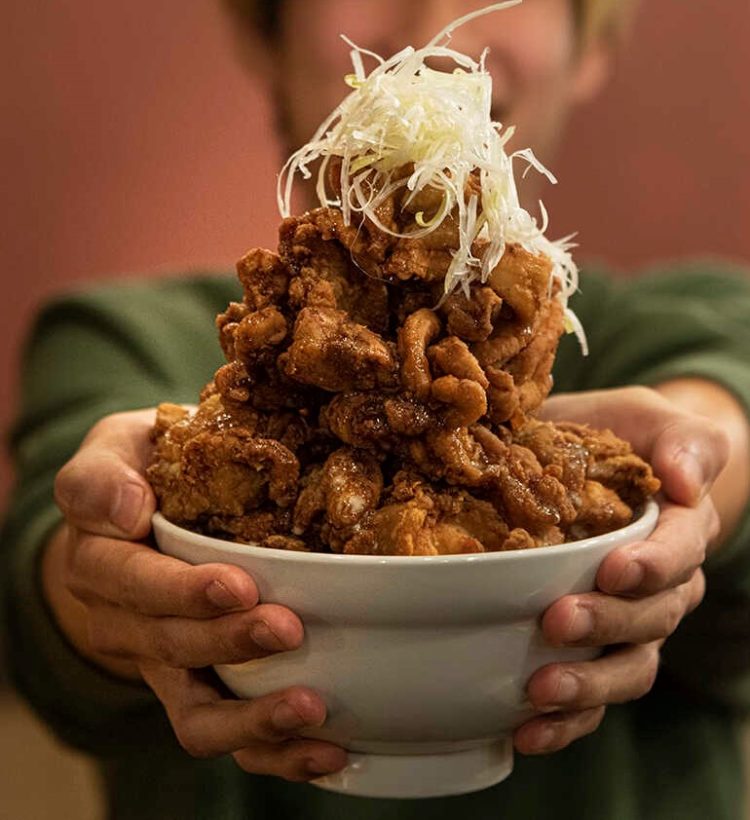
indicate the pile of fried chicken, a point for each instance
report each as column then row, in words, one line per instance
column 361, row 410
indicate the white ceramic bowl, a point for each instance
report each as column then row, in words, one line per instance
column 422, row 661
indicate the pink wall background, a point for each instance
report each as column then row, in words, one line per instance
column 133, row 141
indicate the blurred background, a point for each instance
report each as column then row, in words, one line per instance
column 134, row 140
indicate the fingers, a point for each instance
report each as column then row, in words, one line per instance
column 596, row 619
column 550, row 734
column 138, row 578
column 688, row 454
column 259, row 732
column 102, row 489
column 295, row 760
column 619, row 677
column 669, row 556
column 185, row 643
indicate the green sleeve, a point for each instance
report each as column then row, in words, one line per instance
column 117, row 348
column 688, row 321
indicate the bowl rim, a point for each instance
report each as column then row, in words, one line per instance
column 646, row 519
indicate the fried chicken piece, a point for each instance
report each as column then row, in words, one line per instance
column 503, row 345
column 553, row 448
column 517, row 362
column 472, row 318
column 613, row 463
column 233, row 382
column 466, row 400
column 403, row 258
column 260, row 528
column 419, row 520
column 258, row 332
column 432, row 401
column 327, row 274
column 600, row 510
column 413, row 258
column 523, row 281
column 334, row 353
column 344, row 489
column 604, row 477
column 359, row 419
column 451, row 357
column 373, row 421
column 417, row 332
column 408, row 417
column 533, row 498
column 264, row 278
column 253, row 527
column 226, row 324
column 503, row 403
column 208, row 464
column 463, row 388
column 454, row 455
column 531, row 369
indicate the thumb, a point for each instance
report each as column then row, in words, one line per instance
column 688, row 454
column 103, row 488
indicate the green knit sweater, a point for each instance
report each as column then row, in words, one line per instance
column 673, row 754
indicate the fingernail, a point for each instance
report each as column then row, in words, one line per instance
column 127, row 506
column 567, row 689
column 630, row 578
column 263, row 635
column 221, row 597
column 286, row 717
column 581, row 625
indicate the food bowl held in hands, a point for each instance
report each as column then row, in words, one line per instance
column 422, row 661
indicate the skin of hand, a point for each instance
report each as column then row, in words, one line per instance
column 646, row 588
column 145, row 616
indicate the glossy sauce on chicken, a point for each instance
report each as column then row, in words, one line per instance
column 363, row 411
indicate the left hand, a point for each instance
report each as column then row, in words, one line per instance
column 644, row 589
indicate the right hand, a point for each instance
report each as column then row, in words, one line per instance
column 146, row 616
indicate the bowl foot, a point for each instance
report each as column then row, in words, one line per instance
column 427, row 775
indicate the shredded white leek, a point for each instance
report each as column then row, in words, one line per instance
column 406, row 113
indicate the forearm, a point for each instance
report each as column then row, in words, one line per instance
column 69, row 613
column 731, row 490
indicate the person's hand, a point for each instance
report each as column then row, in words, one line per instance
column 146, row 616
column 643, row 589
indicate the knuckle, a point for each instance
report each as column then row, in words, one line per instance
column 607, row 622
column 638, row 394
column 233, row 640
column 163, row 648
column 129, row 582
